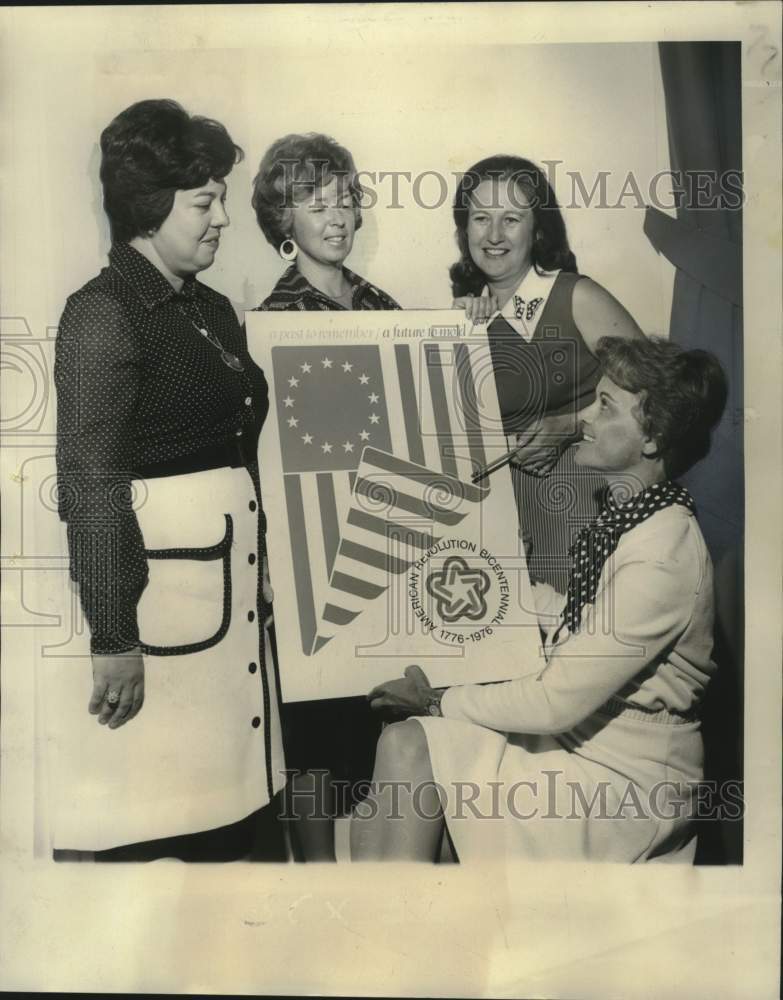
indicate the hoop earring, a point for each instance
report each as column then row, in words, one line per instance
column 288, row 249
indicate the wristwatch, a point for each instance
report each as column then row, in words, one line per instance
column 432, row 705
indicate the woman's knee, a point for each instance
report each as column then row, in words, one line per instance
column 402, row 748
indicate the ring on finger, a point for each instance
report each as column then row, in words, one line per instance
column 113, row 697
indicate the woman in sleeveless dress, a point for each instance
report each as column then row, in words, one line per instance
column 545, row 319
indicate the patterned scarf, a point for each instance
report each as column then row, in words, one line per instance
column 597, row 541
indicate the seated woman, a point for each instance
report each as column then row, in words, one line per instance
column 307, row 196
column 594, row 754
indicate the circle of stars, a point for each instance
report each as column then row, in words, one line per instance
column 293, row 422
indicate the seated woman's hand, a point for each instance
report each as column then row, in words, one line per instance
column 117, row 688
column 536, row 453
column 409, row 695
column 478, row 309
column 539, row 447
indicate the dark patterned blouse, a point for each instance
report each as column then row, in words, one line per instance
column 294, row 292
column 141, row 393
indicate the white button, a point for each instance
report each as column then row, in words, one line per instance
column 248, row 400
column 238, row 434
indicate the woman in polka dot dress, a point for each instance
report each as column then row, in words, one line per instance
column 594, row 753
column 164, row 735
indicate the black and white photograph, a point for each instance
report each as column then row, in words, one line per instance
column 390, row 449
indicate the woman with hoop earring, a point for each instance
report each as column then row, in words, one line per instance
column 306, row 197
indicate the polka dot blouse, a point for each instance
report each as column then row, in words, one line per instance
column 141, row 393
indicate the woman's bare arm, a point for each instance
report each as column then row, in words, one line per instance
column 597, row 313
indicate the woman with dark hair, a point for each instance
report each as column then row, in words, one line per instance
column 517, row 269
column 597, row 754
column 307, row 197
column 159, row 408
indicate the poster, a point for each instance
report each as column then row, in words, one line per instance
column 382, row 549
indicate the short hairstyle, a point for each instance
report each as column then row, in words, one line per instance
column 550, row 250
column 683, row 394
column 150, row 151
column 294, row 165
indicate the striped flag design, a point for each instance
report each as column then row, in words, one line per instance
column 358, row 513
column 397, row 511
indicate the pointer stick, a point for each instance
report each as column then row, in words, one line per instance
column 487, row 470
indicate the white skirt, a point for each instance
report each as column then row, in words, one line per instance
column 618, row 787
column 205, row 750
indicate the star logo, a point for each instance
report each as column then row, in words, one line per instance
column 459, row 591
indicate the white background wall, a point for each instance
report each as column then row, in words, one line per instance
column 401, row 108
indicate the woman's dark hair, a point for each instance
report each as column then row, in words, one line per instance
column 149, row 152
column 550, row 249
column 292, row 167
column 683, row 394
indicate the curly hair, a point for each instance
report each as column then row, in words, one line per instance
column 299, row 163
column 150, row 151
column 550, row 249
column 683, row 394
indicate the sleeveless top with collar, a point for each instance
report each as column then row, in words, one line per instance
column 551, row 373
